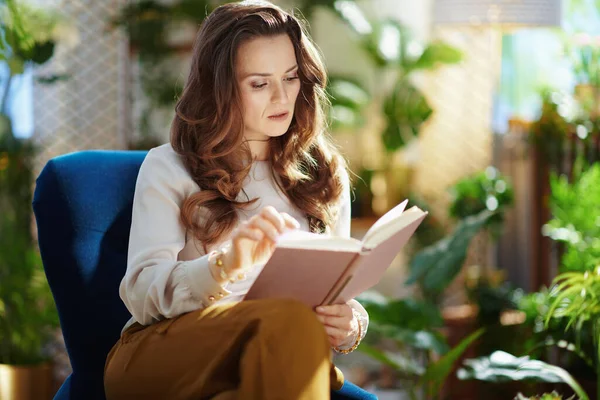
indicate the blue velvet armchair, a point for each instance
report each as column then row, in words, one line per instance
column 82, row 205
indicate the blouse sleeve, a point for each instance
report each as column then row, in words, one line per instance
column 156, row 285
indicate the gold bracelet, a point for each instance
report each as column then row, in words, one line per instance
column 358, row 337
column 216, row 257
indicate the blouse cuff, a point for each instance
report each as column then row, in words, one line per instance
column 201, row 282
column 363, row 320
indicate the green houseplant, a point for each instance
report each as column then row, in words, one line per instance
column 565, row 316
column 574, row 302
column 486, row 190
column 28, row 316
column 420, row 355
column 414, row 325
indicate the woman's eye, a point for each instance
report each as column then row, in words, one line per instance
column 291, row 78
column 259, row 86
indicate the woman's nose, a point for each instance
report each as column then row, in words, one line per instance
column 280, row 94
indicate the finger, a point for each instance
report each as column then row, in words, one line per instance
column 290, row 221
column 343, row 323
column 335, row 310
column 266, row 227
column 250, row 233
column 272, row 215
column 336, row 335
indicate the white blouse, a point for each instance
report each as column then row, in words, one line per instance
column 168, row 274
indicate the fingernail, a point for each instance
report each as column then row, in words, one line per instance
column 320, row 309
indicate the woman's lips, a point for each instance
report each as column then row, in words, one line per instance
column 279, row 117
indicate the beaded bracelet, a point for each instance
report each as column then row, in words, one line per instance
column 358, row 337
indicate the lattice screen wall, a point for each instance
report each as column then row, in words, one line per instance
column 457, row 141
column 89, row 110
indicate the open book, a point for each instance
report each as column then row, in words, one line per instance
column 320, row 269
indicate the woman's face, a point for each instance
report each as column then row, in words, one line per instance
column 267, row 75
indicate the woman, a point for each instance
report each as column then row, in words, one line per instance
column 248, row 160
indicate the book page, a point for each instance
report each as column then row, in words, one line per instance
column 386, row 218
column 392, row 222
column 298, row 239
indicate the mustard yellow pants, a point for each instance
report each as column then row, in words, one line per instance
column 261, row 349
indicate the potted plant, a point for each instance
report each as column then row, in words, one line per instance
column 563, row 318
column 422, row 336
column 28, row 317
column 408, row 335
column 488, row 296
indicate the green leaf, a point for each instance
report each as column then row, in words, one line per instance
column 575, row 219
column 422, row 339
column 407, row 313
column 504, row 367
column 343, row 117
column 545, row 396
column 436, row 373
column 405, row 365
column 436, row 266
column 382, row 40
column 50, row 79
column 383, row 44
column 28, row 315
column 39, row 53
column 16, row 65
column 348, row 92
column 576, row 299
column 405, row 110
column 348, row 100
column 487, row 189
column 352, row 15
column 436, row 54
column 563, row 376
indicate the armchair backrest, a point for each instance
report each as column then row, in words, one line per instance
column 82, row 205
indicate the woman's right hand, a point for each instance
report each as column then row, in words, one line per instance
column 253, row 241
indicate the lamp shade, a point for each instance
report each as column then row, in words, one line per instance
column 503, row 12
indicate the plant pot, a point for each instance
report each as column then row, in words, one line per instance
column 459, row 322
column 26, row 382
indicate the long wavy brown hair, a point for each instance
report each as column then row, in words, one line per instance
column 207, row 130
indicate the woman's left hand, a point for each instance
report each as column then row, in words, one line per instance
column 340, row 324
